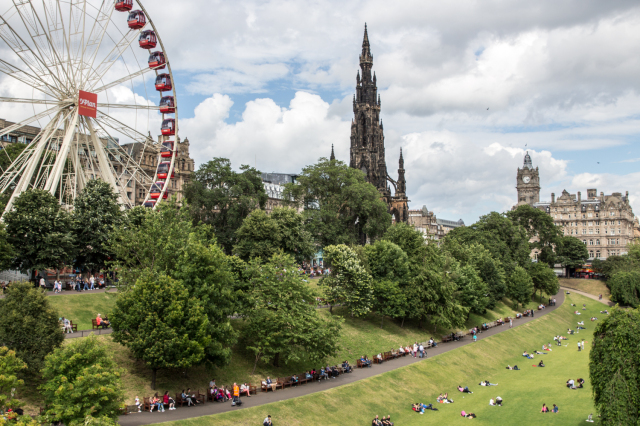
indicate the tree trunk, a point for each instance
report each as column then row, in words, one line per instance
column 276, row 360
column 255, row 364
column 402, row 325
column 153, row 378
column 330, row 305
column 381, row 320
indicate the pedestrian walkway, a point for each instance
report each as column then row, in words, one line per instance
column 262, row 398
column 589, row 295
column 86, row 333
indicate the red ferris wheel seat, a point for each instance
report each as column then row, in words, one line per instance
column 147, row 39
column 136, row 19
column 124, row 5
column 156, row 190
column 167, row 105
column 156, row 60
column 163, row 170
column 169, row 127
column 166, row 151
column 163, row 83
column 150, row 203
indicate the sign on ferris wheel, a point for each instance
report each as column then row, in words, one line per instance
column 95, row 83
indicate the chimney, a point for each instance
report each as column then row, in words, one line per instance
column 579, row 196
column 553, row 197
column 602, row 196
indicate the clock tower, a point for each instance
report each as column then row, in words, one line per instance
column 528, row 183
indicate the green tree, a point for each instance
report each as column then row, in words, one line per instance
column 81, row 379
column 408, row 238
column 541, row 228
column 7, row 253
column 166, row 242
column 625, row 288
column 340, row 207
column 39, row 231
column 283, row 324
column 262, row 235
column 161, row 323
column 571, row 252
column 520, row 286
column 544, row 279
column 614, row 368
column 349, row 283
column 389, row 267
column 9, row 153
column 10, row 367
column 29, row 325
column 472, row 291
column 223, row 198
column 96, row 213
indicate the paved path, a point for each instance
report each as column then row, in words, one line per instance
column 589, row 295
column 262, row 398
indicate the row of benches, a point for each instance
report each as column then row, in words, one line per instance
column 74, row 327
column 283, row 382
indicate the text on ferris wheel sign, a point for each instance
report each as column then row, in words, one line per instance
column 87, row 104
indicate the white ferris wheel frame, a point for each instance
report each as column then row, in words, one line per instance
column 59, row 65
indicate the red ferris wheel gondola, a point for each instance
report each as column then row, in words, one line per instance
column 169, row 127
column 150, row 203
column 163, row 170
column 124, row 5
column 136, row 19
column 166, row 150
column 156, row 190
column 148, row 39
column 156, row 60
column 167, row 105
column 163, row 83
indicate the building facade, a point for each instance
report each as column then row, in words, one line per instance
column 604, row 223
column 274, row 187
column 431, row 227
column 367, row 152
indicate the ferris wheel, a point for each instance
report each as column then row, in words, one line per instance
column 80, row 76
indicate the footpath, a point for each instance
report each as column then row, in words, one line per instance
column 209, row 408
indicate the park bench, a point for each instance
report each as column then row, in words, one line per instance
column 359, row 364
column 280, row 383
column 253, row 389
column 146, row 403
column 74, row 327
column 179, row 400
column 266, row 388
column 95, row 326
column 446, row 338
column 200, row 396
column 302, row 378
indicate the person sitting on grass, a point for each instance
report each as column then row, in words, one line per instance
column 580, row 383
column 386, row 421
column 376, row 421
column 492, row 402
column 541, row 364
column 544, row 409
column 594, row 319
column 464, row 389
column 571, row 384
column 555, row 408
column 469, row 416
column 581, row 323
column 499, row 401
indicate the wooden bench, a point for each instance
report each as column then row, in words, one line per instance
column 280, row 383
column 95, row 326
column 200, row 397
column 74, row 327
column 267, row 388
column 146, row 403
column 253, row 389
column 446, row 338
column 302, row 378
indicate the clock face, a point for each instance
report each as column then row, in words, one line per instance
column 526, row 179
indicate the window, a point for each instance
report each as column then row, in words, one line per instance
column 597, row 230
column 590, row 242
column 584, row 242
column 612, row 214
column 597, row 254
column 591, row 254
column 583, row 215
column 129, row 184
column 584, row 232
column 590, row 231
column 129, row 195
column 597, row 222
column 597, row 242
column 590, row 214
column 613, row 231
column 617, row 243
column 618, row 222
column 596, row 214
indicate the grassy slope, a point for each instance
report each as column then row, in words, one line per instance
column 523, row 391
column 594, row 287
column 81, row 308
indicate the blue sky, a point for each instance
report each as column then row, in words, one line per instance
column 271, row 83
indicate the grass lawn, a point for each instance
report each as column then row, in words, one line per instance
column 81, row 308
column 523, row 391
column 594, row 287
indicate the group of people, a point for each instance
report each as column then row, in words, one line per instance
column 572, row 385
column 546, row 409
column 386, row 421
column 83, row 284
column 497, row 401
column 419, row 407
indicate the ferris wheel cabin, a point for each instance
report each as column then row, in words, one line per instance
column 148, row 39
column 163, row 170
column 163, row 83
column 150, row 203
column 124, row 5
column 156, row 190
column 167, row 105
column 166, row 151
column 136, row 20
column 169, row 127
column 156, row 60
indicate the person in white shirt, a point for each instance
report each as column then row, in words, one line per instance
column 42, row 284
column 415, row 349
column 421, row 349
column 92, row 281
column 491, row 402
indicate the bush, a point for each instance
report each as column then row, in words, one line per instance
column 81, row 379
column 625, row 288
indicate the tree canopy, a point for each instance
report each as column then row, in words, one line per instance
column 223, row 198
column 541, row 228
column 39, row 231
column 544, row 278
column 10, row 368
column 340, row 207
column 614, row 367
column 81, row 379
column 29, row 325
column 349, row 283
column 571, row 252
column 521, row 286
column 625, row 288
column 262, row 235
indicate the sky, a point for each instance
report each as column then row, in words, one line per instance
column 466, row 88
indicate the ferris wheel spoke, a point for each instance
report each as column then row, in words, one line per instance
column 122, row 80
column 29, row 101
column 96, row 35
column 23, row 123
column 106, row 64
column 127, row 106
column 106, row 170
column 40, row 36
column 75, row 37
column 28, row 56
column 61, row 157
column 124, row 129
column 28, row 79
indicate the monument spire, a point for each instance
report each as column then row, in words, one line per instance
column 333, row 156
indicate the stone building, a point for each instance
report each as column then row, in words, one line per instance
column 604, row 223
column 367, row 151
column 274, row 187
column 431, row 227
column 148, row 160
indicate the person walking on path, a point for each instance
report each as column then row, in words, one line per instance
column 421, row 349
column 510, row 323
column 475, row 338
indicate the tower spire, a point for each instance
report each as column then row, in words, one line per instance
column 333, row 156
column 402, row 184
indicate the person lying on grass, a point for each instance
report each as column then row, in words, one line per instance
column 469, row 416
column 515, row 367
column 419, row 407
column 527, row 355
column 464, row 389
column 486, row 383
column 539, row 353
column 594, row 319
column 444, row 399
column 605, row 312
